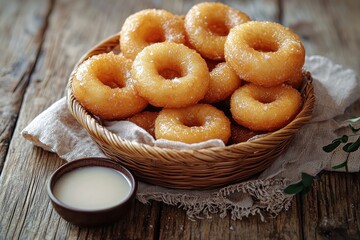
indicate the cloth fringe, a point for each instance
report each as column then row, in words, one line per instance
column 268, row 196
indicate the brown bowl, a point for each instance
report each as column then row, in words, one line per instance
column 91, row 218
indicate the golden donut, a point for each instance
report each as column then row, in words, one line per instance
column 145, row 120
column 296, row 80
column 223, row 82
column 170, row 75
column 150, row 26
column 207, row 26
column 197, row 123
column 264, row 53
column 103, row 86
column 265, row 109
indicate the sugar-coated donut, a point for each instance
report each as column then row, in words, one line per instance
column 197, row 123
column 207, row 26
column 145, row 120
column 150, row 26
column 264, row 53
column 265, row 109
column 223, row 82
column 296, row 80
column 170, row 75
column 102, row 85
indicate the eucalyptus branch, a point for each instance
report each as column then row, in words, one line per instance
column 349, row 147
column 304, row 185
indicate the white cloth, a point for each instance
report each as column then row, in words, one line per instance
column 335, row 87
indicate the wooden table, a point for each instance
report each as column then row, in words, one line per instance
column 41, row 40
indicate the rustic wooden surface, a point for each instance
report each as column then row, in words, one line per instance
column 41, row 40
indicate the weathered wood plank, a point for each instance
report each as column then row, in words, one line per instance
column 175, row 225
column 73, row 28
column 330, row 211
column 327, row 28
column 22, row 26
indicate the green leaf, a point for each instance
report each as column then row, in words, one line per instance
column 344, row 138
column 346, row 146
column 294, row 188
column 353, row 128
column 341, row 165
column 354, row 120
column 353, row 146
column 306, row 190
column 306, row 179
column 331, row 147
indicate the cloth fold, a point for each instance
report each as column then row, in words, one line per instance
column 336, row 88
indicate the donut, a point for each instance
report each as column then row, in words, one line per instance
column 150, row 26
column 264, row 109
column 207, row 26
column 296, row 80
column 196, row 123
column 170, row 75
column 264, row 53
column 145, row 120
column 223, row 82
column 102, row 85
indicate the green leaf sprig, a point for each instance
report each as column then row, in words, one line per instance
column 348, row 147
column 303, row 186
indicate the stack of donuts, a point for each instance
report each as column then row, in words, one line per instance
column 211, row 74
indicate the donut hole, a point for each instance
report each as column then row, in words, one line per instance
column 218, row 28
column 191, row 121
column 170, row 69
column 265, row 46
column 265, row 99
column 155, row 36
column 170, row 73
column 111, row 79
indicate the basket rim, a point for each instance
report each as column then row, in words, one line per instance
column 304, row 115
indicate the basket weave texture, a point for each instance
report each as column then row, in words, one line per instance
column 190, row 169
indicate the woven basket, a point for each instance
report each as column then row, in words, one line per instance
column 190, row 169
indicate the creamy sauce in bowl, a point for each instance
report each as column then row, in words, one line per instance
column 92, row 188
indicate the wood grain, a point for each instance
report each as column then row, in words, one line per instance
column 175, row 225
column 331, row 210
column 327, row 28
column 22, row 27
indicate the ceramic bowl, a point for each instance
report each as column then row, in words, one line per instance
column 91, row 218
